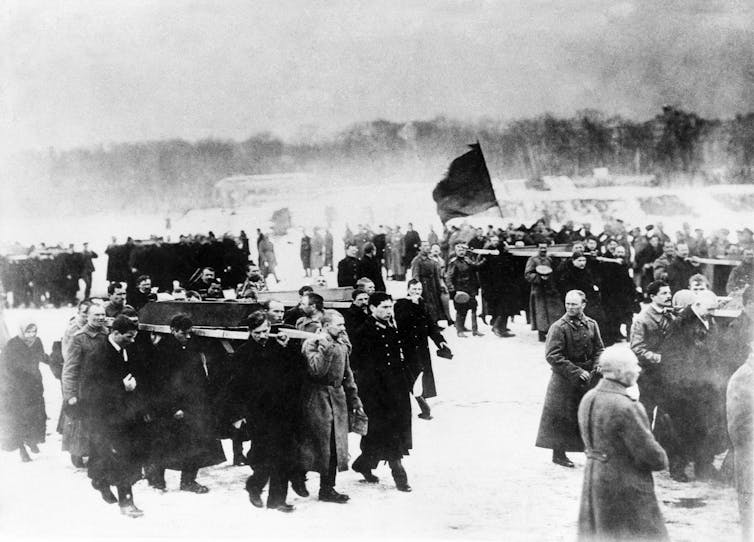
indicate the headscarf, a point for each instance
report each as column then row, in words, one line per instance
column 24, row 325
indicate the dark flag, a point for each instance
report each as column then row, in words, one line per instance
column 466, row 188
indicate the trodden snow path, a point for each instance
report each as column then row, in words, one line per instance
column 475, row 472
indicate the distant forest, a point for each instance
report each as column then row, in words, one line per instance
column 675, row 146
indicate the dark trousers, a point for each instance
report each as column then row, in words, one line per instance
column 188, row 475
column 87, row 285
column 327, row 479
column 461, row 310
column 277, row 477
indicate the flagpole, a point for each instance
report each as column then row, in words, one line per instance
column 492, row 188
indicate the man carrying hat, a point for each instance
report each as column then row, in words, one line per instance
column 545, row 303
column 463, row 287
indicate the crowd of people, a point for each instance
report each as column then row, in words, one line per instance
column 37, row 276
column 134, row 406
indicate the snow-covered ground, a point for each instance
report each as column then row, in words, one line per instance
column 474, row 468
column 475, row 472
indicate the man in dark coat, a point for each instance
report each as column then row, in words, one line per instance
column 265, row 387
column 415, row 328
column 380, row 242
column 329, row 393
column 202, row 283
column 357, row 313
column 426, row 270
column 371, row 267
column 87, row 269
column 498, row 279
column 305, row 252
column 115, row 413
column 693, row 380
column 618, row 296
column 186, row 439
column 618, row 500
column 648, row 332
column 384, row 389
column 576, row 275
column 142, row 294
column 411, row 244
column 681, row 268
column 573, row 347
column 329, row 244
column 348, row 267
column 461, row 278
column 294, row 313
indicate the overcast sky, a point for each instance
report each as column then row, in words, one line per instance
column 90, row 72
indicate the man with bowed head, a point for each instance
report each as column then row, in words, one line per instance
column 329, row 393
column 618, row 500
column 263, row 388
column 572, row 349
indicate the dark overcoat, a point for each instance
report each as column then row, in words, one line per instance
column 328, row 392
column 384, row 389
column 115, row 417
column 545, row 301
column 572, row 344
column 694, row 379
column 618, row 500
column 499, row 289
column 371, row 268
column 265, row 390
column 22, row 407
column 411, row 244
column 305, row 251
column 355, row 318
column 618, row 290
column 348, row 272
column 573, row 278
column 427, row 271
column 415, row 328
column 183, row 384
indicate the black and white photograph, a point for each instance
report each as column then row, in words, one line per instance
column 398, row 270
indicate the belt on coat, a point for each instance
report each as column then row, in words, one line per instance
column 335, row 384
column 597, row 455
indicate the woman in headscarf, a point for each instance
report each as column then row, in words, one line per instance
column 415, row 328
column 22, row 407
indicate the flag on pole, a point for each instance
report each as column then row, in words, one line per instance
column 466, row 189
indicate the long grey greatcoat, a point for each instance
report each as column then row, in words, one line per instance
column 740, row 410
column 80, row 353
column 572, row 344
column 327, row 395
column 545, row 302
column 618, row 501
column 427, row 271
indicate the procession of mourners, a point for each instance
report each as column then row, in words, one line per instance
column 646, row 373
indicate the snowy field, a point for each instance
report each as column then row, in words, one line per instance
column 475, row 472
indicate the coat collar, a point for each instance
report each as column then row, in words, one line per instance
column 611, row 386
